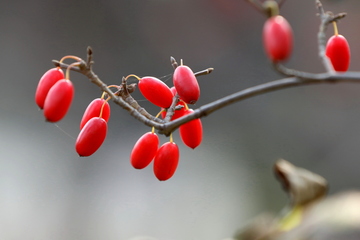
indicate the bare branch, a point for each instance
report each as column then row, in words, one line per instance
column 204, row 72
column 257, row 4
column 323, row 78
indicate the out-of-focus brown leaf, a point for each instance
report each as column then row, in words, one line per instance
column 310, row 217
column 302, row 185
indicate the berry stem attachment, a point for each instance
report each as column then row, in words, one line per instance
column 103, row 95
column 67, row 74
column 171, row 138
column 102, row 106
column 153, row 130
column 71, row 57
column 186, row 106
column 336, row 32
column 157, row 115
column 132, row 75
column 271, row 8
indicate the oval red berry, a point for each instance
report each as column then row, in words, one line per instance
column 338, row 51
column 94, row 109
column 91, row 137
column 277, row 38
column 191, row 132
column 46, row 82
column 156, row 91
column 186, row 84
column 58, row 100
column 166, row 161
column 144, row 150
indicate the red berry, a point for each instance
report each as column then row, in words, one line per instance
column 91, row 136
column 58, row 100
column 156, row 91
column 166, row 161
column 338, row 51
column 173, row 90
column 186, row 84
column 144, row 150
column 277, row 38
column 94, row 109
column 191, row 132
column 46, row 82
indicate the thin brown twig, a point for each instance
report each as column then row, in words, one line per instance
column 258, row 5
column 323, row 78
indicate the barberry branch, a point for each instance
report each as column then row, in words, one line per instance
column 168, row 127
column 323, row 78
column 123, row 97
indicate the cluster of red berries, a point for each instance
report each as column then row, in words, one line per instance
column 54, row 95
column 93, row 127
column 146, row 149
column 278, row 42
column 55, row 92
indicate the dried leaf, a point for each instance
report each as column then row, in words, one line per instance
column 309, row 217
column 302, row 185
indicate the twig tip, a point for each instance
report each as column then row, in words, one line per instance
column 89, row 50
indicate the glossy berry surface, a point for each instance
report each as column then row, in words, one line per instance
column 338, row 51
column 144, row 150
column 156, row 91
column 191, row 132
column 186, row 84
column 277, row 38
column 91, row 137
column 94, row 109
column 166, row 161
column 58, row 100
column 46, row 82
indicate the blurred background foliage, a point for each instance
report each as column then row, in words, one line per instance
column 48, row 192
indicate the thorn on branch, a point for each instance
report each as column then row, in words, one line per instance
column 89, row 51
column 204, row 72
column 89, row 60
column 173, row 62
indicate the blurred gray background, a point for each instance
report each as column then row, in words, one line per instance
column 48, row 192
